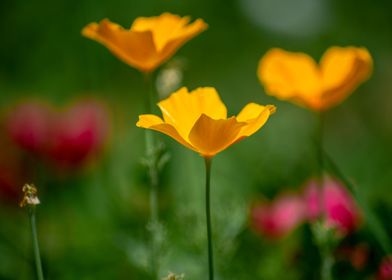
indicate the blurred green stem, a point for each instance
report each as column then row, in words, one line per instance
column 320, row 144
column 326, row 268
column 208, row 216
column 37, row 257
column 153, row 173
column 326, row 254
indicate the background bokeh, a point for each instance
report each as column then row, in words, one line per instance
column 92, row 220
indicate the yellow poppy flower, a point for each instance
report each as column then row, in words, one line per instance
column 298, row 78
column 198, row 120
column 149, row 42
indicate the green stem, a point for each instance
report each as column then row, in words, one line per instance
column 320, row 163
column 208, row 216
column 327, row 260
column 150, row 96
column 153, row 173
column 326, row 267
column 154, row 220
column 37, row 257
column 320, row 144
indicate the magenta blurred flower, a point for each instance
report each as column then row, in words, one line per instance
column 78, row 133
column 66, row 138
column 340, row 207
column 385, row 269
column 28, row 125
column 11, row 175
column 279, row 217
column 276, row 219
column 8, row 185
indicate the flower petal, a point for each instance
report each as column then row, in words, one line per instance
column 343, row 69
column 255, row 116
column 164, row 28
column 289, row 76
column 169, row 32
column 155, row 123
column 183, row 34
column 149, row 42
column 182, row 109
column 211, row 136
column 134, row 48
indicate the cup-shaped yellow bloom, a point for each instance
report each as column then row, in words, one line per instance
column 298, row 78
column 198, row 120
column 149, row 42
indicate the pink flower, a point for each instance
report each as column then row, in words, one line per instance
column 78, row 133
column 385, row 269
column 278, row 218
column 65, row 138
column 11, row 173
column 340, row 208
column 8, row 186
column 28, row 126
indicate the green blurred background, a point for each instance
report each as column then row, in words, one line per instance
column 92, row 222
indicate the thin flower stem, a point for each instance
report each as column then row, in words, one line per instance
column 326, row 268
column 37, row 257
column 327, row 260
column 208, row 217
column 320, row 144
column 320, row 162
column 154, row 221
column 153, row 173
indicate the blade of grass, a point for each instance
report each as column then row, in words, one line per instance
column 373, row 221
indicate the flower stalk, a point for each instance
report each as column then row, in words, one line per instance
column 320, row 144
column 207, row 162
column 324, row 245
column 30, row 201
column 152, row 162
column 326, row 267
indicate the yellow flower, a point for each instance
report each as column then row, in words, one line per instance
column 149, row 42
column 298, row 78
column 198, row 120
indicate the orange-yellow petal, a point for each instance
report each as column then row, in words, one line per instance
column 255, row 116
column 179, row 38
column 164, row 28
column 287, row 75
column 183, row 35
column 149, row 42
column 134, row 48
column 182, row 109
column 210, row 136
column 156, row 123
column 169, row 32
column 343, row 69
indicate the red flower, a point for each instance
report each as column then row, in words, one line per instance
column 77, row 134
column 340, row 208
column 28, row 126
column 278, row 218
column 67, row 139
column 11, row 175
column 385, row 269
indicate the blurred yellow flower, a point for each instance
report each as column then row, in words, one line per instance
column 149, row 42
column 298, row 78
column 198, row 120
